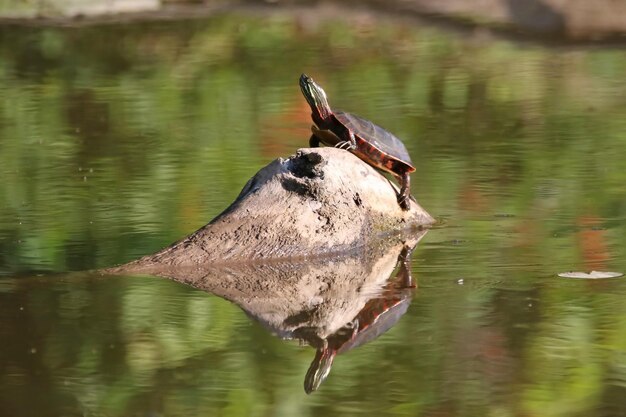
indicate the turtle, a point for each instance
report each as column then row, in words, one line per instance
column 368, row 141
column 377, row 316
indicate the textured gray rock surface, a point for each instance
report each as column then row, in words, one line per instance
column 318, row 202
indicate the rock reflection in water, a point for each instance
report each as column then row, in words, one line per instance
column 380, row 313
column 333, row 304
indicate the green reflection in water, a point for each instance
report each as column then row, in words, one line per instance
column 116, row 140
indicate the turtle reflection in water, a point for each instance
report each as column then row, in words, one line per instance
column 370, row 142
column 377, row 316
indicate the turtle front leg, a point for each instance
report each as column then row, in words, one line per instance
column 348, row 145
column 405, row 279
column 405, row 192
column 314, row 141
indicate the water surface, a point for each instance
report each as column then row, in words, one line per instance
column 116, row 140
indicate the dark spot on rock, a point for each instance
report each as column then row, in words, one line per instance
column 301, row 317
column 357, row 200
column 305, row 188
column 307, row 165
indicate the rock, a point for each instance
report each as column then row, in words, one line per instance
column 319, row 201
column 309, row 249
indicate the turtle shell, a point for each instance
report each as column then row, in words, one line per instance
column 377, row 323
column 383, row 145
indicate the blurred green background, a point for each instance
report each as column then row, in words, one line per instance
column 117, row 139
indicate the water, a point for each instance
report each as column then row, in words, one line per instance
column 116, row 140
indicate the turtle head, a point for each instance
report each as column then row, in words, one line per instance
column 320, row 367
column 316, row 97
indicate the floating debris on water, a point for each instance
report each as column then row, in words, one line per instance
column 591, row 275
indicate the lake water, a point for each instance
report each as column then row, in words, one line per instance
column 118, row 139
